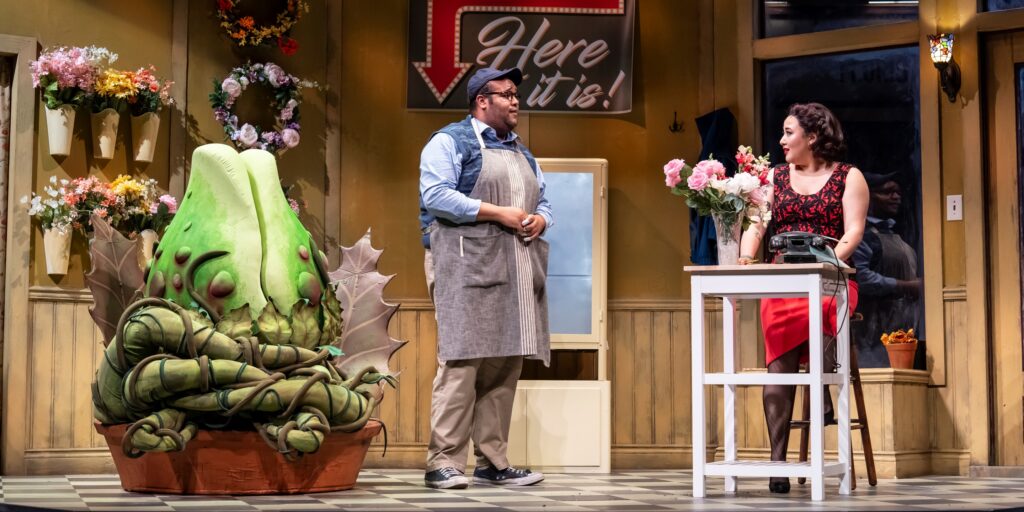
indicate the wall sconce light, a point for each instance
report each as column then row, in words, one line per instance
column 942, row 56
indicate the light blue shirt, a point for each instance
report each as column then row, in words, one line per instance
column 441, row 167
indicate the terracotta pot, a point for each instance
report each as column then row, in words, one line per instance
column 240, row 462
column 104, row 133
column 60, row 124
column 57, row 249
column 145, row 129
column 901, row 355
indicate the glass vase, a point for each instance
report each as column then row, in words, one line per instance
column 727, row 230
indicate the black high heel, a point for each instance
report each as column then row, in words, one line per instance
column 778, row 485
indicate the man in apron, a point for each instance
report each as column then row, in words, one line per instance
column 482, row 211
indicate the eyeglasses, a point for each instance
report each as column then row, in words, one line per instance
column 508, row 95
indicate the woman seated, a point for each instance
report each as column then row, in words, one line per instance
column 815, row 193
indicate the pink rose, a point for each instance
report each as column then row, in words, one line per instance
column 290, row 137
column 248, row 135
column 275, row 75
column 698, row 180
column 710, row 167
column 758, row 196
column 672, row 169
column 232, row 88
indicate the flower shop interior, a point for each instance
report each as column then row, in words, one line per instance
column 945, row 134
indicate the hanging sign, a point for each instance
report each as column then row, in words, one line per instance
column 576, row 55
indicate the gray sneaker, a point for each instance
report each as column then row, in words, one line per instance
column 446, row 478
column 507, row 476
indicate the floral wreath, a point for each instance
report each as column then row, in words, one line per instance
column 244, row 31
column 287, row 93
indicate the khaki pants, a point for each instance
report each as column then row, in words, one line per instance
column 471, row 399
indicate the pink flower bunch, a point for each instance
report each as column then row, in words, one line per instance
column 752, row 164
column 168, row 200
column 74, row 71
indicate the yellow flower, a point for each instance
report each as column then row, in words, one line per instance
column 125, row 186
column 115, row 83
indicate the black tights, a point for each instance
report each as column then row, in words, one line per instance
column 778, row 399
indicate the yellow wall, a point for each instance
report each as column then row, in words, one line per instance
column 140, row 33
column 381, row 142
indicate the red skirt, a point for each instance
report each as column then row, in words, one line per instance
column 786, row 324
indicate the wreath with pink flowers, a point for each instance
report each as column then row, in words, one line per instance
column 287, row 91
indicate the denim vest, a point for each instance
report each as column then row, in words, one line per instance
column 467, row 145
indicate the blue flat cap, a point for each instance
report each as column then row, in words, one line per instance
column 484, row 75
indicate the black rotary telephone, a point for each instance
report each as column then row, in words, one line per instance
column 801, row 247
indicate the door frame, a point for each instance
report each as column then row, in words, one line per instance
column 19, row 236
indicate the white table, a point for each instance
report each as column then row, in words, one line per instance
column 818, row 282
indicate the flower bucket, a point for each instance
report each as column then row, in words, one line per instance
column 727, row 230
column 147, row 239
column 60, row 124
column 145, row 129
column 57, row 246
column 104, row 133
column 901, row 355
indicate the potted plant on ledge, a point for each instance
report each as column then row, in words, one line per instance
column 901, row 346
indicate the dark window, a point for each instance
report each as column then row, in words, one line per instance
column 786, row 17
column 875, row 96
column 1001, row 5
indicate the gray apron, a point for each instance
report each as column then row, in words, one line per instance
column 489, row 285
column 884, row 314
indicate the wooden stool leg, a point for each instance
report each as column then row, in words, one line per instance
column 805, row 432
column 865, row 435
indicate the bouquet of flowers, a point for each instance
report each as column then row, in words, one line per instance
column 52, row 209
column 68, row 75
column 114, row 89
column 130, row 205
column 151, row 95
column 708, row 190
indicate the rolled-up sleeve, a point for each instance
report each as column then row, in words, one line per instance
column 543, row 205
column 440, row 168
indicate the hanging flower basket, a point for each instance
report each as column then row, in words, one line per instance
column 104, row 132
column 60, row 124
column 145, row 130
column 57, row 246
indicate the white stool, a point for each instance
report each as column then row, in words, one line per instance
column 818, row 282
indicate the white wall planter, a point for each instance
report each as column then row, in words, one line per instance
column 104, row 132
column 147, row 240
column 145, row 130
column 57, row 246
column 60, row 124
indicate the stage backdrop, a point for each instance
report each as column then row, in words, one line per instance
column 576, row 55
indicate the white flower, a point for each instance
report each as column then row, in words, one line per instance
column 746, row 182
column 24, row 199
column 243, row 81
column 247, row 135
column 53, row 179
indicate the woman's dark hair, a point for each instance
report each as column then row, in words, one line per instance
column 817, row 119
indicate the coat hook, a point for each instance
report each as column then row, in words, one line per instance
column 676, row 126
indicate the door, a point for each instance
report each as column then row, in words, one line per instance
column 1004, row 164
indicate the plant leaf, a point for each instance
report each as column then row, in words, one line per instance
column 272, row 327
column 237, row 323
column 365, row 339
column 115, row 279
column 331, row 310
column 305, row 325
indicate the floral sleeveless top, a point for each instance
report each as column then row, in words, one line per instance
column 820, row 213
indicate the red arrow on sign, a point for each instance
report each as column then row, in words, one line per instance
column 444, row 67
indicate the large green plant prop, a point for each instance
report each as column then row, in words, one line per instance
column 239, row 324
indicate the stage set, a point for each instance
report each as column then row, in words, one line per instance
column 216, row 294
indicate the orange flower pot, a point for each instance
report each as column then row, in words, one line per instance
column 233, row 462
column 901, row 355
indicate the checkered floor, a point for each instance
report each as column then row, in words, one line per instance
column 384, row 490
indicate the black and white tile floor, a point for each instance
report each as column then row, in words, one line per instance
column 401, row 490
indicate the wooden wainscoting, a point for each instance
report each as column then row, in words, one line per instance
column 950, row 406
column 64, row 350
